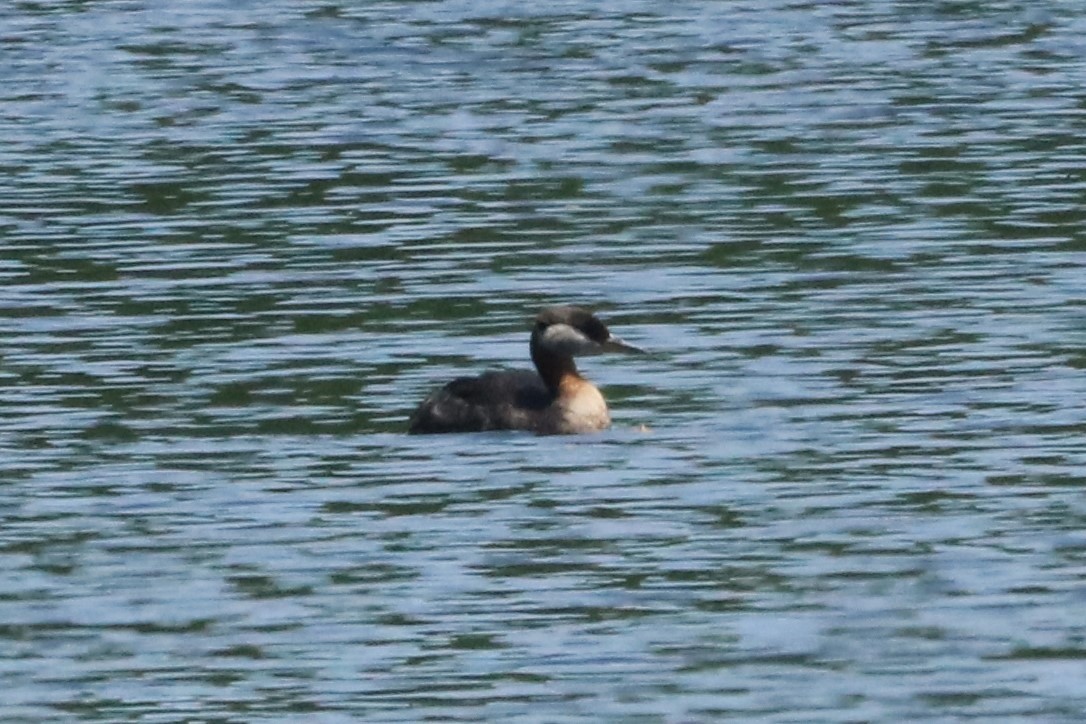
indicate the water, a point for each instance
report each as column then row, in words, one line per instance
column 241, row 241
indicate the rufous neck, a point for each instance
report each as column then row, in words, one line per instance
column 553, row 368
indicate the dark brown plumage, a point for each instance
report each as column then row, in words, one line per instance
column 553, row 400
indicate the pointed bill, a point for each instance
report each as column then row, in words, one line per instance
column 614, row 344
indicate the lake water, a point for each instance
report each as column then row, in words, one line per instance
column 240, row 241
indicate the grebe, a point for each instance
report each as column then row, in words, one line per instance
column 556, row 401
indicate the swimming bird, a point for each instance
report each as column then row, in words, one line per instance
column 554, row 400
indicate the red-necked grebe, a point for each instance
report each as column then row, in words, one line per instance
column 555, row 401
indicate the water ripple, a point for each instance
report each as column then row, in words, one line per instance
column 239, row 246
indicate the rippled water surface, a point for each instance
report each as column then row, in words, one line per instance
column 241, row 240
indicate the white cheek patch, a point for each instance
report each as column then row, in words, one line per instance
column 564, row 339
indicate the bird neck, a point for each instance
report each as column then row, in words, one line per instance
column 556, row 370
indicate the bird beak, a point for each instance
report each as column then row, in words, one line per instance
column 614, row 344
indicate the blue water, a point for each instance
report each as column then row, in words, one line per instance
column 241, row 241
